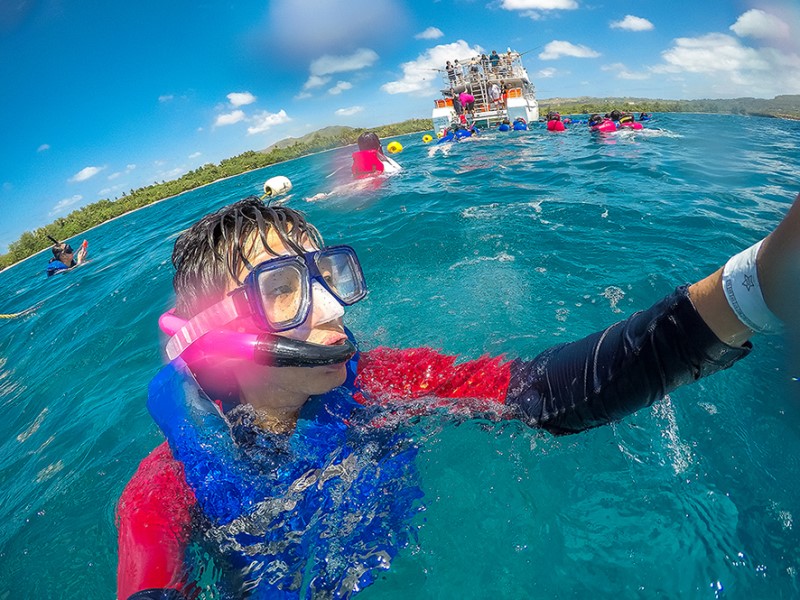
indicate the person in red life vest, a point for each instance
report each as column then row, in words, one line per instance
column 601, row 124
column 554, row 122
column 284, row 463
column 370, row 160
column 627, row 120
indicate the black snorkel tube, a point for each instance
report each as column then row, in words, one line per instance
column 268, row 349
column 279, row 351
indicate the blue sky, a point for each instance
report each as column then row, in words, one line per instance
column 100, row 98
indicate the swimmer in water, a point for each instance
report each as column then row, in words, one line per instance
column 278, row 463
column 64, row 257
column 370, row 158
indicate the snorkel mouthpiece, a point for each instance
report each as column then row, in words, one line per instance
column 279, row 351
column 266, row 349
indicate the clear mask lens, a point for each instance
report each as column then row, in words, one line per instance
column 342, row 276
column 284, row 294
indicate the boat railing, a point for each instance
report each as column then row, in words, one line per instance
column 475, row 71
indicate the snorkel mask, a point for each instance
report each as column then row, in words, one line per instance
column 282, row 294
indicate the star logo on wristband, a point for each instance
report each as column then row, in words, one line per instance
column 748, row 282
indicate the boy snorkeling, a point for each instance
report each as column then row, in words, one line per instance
column 273, row 420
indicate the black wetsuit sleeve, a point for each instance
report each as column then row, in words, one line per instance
column 617, row 371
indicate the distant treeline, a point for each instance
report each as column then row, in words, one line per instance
column 96, row 213
column 787, row 107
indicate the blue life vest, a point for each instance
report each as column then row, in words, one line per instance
column 463, row 133
column 503, row 127
column 319, row 510
column 446, row 138
column 54, row 266
column 520, row 126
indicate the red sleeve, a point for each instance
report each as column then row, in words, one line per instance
column 387, row 374
column 153, row 519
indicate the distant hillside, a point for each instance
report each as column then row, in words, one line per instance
column 787, row 106
column 333, row 131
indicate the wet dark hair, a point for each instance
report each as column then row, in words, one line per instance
column 595, row 119
column 369, row 141
column 212, row 251
column 615, row 115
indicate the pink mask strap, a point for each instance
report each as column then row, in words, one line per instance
column 213, row 317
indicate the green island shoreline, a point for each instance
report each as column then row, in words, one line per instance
column 87, row 217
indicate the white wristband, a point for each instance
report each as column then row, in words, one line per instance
column 743, row 292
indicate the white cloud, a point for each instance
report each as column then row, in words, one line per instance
column 423, row 75
column 43, row 148
column 727, row 68
column 128, row 169
column 759, row 24
column 340, row 87
column 85, row 173
column 315, row 81
column 229, row 118
column 620, row 71
column 533, row 15
column 328, row 64
column 347, row 112
column 264, row 120
column 106, row 192
column 238, row 99
column 61, row 205
column 195, row 155
column 712, row 53
column 546, row 73
column 557, row 49
column 431, row 33
column 539, row 5
column 631, row 23
column 166, row 98
column 303, row 96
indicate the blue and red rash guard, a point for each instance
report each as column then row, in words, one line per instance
column 566, row 389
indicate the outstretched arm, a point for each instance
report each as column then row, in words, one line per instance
column 686, row 336
column 610, row 374
column 778, row 266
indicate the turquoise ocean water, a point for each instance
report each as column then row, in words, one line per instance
column 501, row 245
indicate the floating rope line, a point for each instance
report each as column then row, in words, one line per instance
column 20, row 314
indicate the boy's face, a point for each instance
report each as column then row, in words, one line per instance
column 324, row 325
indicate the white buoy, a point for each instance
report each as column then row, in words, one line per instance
column 275, row 186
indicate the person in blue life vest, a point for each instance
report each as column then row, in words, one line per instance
column 280, row 463
column 64, row 257
column 505, row 125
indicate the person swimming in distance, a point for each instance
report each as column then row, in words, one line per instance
column 370, row 159
column 274, row 421
column 64, row 257
column 505, row 125
column 554, row 122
